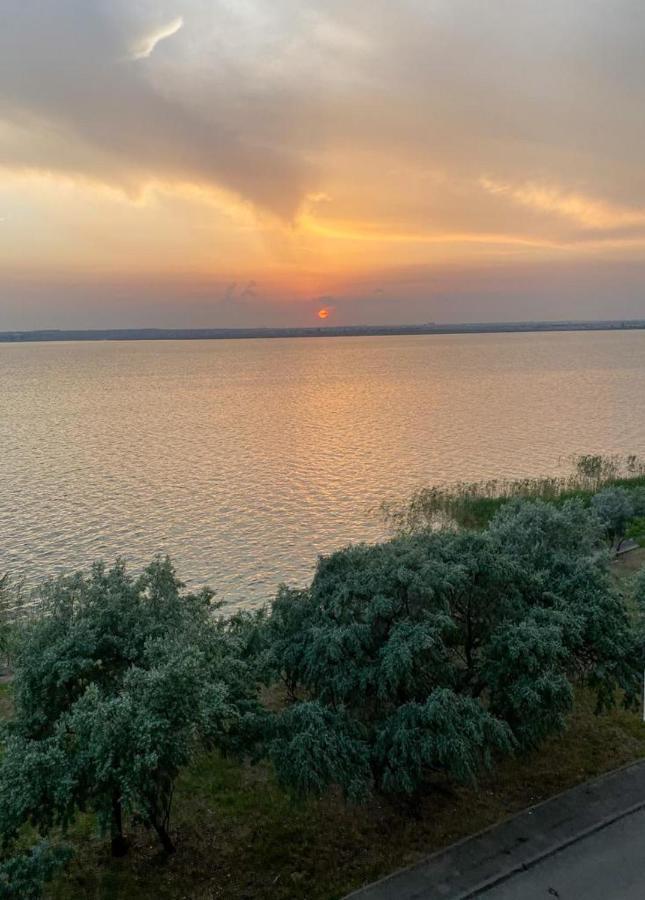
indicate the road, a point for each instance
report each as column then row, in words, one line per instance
column 607, row 865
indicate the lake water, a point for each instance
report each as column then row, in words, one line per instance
column 246, row 459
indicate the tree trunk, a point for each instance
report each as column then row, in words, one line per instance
column 164, row 837
column 119, row 843
column 160, row 804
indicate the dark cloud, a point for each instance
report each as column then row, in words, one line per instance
column 69, row 85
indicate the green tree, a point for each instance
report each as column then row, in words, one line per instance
column 614, row 507
column 118, row 683
column 436, row 651
column 560, row 549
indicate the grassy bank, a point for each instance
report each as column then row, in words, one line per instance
column 240, row 836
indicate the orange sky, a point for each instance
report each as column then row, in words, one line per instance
column 210, row 162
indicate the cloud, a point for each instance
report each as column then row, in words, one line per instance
column 588, row 212
column 274, row 100
column 144, row 47
column 69, row 103
column 325, row 138
column 235, row 294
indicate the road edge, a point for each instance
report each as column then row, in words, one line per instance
column 379, row 888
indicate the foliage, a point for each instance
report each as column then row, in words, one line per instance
column 447, row 733
column 23, row 875
column 117, row 683
column 538, row 695
column 473, row 504
column 439, row 650
column 315, row 746
column 615, row 509
column 638, row 594
column 636, row 530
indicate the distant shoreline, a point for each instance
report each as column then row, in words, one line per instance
column 194, row 334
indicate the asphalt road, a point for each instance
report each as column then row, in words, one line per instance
column 607, row 865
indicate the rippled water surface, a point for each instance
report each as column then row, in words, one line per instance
column 246, row 459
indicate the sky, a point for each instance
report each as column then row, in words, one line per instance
column 214, row 163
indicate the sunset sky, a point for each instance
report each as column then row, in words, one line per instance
column 251, row 162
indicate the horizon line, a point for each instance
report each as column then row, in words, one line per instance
column 429, row 328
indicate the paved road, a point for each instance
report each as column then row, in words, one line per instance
column 607, row 865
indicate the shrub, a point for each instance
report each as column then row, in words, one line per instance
column 23, row 876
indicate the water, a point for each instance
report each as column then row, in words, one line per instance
column 246, row 459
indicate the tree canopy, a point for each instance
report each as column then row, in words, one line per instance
column 118, row 681
column 614, row 506
column 436, row 652
column 439, row 650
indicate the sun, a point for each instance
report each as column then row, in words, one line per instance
column 323, row 313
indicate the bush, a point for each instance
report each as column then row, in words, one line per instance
column 437, row 651
column 23, row 876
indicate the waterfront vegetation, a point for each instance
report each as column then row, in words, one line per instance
column 472, row 504
column 488, row 655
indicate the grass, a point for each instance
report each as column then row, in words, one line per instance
column 473, row 504
column 629, row 563
column 239, row 836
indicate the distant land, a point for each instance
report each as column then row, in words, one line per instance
column 194, row 334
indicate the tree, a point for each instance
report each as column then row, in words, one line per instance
column 118, row 683
column 437, row 651
column 560, row 549
column 615, row 508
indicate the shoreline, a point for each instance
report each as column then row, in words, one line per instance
column 187, row 334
